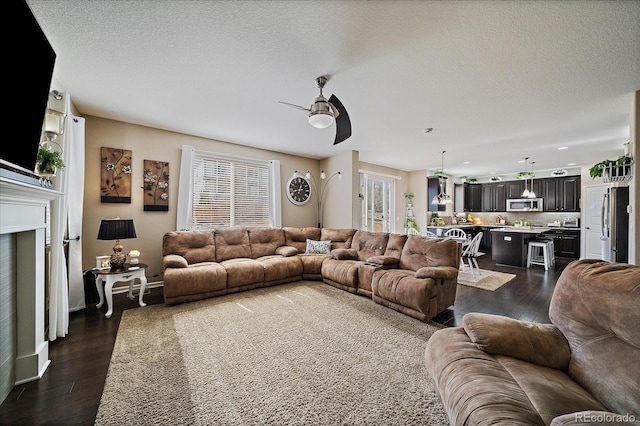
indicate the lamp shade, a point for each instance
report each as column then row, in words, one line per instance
column 116, row 229
column 320, row 120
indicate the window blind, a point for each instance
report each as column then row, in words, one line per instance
column 229, row 193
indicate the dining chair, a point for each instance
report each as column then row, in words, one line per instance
column 470, row 252
column 456, row 233
column 428, row 234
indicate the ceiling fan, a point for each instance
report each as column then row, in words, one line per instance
column 323, row 113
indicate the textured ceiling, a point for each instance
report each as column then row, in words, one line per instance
column 496, row 80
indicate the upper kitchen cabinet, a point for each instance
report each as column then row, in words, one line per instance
column 514, row 188
column 561, row 194
column 472, row 197
column 494, row 197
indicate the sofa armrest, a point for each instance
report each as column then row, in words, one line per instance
column 437, row 272
column 174, row 261
column 591, row 418
column 286, row 251
column 344, row 254
column 384, row 261
column 541, row 344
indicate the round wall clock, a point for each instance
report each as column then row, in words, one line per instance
column 298, row 190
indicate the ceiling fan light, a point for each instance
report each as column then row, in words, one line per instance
column 320, row 120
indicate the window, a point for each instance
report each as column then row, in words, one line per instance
column 226, row 192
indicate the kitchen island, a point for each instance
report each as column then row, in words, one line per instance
column 510, row 244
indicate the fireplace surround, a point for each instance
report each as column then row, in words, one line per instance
column 23, row 210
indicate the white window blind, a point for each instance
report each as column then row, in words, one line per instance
column 230, row 193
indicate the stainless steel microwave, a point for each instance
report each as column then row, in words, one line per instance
column 524, row 205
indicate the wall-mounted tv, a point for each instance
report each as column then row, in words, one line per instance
column 28, row 69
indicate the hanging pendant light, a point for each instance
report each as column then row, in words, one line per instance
column 442, row 197
column 525, row 193
column 532, row 194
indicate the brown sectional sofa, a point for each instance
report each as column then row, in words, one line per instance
column 580, row 369
column 411, row 274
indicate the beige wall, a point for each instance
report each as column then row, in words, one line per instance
column 153, row 144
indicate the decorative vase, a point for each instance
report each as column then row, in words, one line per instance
column 134, row 261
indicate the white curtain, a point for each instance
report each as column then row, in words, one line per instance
column 70, row 182
column 75, row 196
column 185, row 208
column 275, row 193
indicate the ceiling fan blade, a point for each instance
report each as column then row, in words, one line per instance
column 343, row 123
column 296, row 106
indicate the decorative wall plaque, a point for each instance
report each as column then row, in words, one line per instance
column 115, row 175
column 156, row 186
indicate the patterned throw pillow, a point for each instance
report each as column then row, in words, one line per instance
column 322, row 247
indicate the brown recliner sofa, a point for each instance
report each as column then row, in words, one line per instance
column 202, row 264
column 583, row 368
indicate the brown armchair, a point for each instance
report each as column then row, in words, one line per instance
column 581, row 369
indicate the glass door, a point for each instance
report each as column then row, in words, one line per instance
column 377, row 195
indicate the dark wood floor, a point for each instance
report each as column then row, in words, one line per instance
column 69, row 392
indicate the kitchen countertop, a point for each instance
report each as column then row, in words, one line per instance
column 523, row 229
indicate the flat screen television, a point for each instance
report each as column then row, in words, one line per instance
column 28, row 69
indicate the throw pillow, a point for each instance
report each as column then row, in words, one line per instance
column 321, row 247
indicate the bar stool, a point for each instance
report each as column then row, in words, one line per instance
column 540, row 253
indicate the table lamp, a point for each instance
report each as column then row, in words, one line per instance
column 117, row 229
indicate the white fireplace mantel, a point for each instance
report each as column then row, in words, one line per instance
column 23, row 212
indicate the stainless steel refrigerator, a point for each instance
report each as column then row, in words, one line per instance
column 615, row 225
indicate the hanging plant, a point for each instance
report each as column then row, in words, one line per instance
column 48, row 161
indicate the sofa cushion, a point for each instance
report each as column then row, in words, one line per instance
column 279, row 269
column 297, row 237
column 344, row 254
column 286, row 251
column 596, row 305
column 265, row 241
column 368, row 244
column 232, row 244
column 205, row 277
column 541, row 344
column 243, row 273
column 340, row 238
column 341, row 273
column 194, row 246
column 418, row 252
column 318, row 247
column 395, row 245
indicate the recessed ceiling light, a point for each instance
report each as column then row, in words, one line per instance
column 465, row 162
column 520, row 161
column 563, row 147
column 428, row 130
column 493, row 173
column 571, row 164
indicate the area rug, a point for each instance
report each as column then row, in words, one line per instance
column 303, row 353
column 484, row 279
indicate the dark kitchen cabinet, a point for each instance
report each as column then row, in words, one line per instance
column 561, row 194
column 566, row 242
column 515, row 188
column 485, row 242
column 494, row 197
column 433, row 189
column 472, row 197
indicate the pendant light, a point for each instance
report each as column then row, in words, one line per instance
column 442, row 197
column 532, row 194
column 525, row 193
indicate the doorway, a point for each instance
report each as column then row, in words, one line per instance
column 377, row 194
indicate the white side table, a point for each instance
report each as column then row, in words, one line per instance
column 110, row 277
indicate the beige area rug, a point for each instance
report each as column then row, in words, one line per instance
column 486, row 280
column 303, row 353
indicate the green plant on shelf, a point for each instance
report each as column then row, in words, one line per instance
column 48, row 161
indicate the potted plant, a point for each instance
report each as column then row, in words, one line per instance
column 47, row 162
